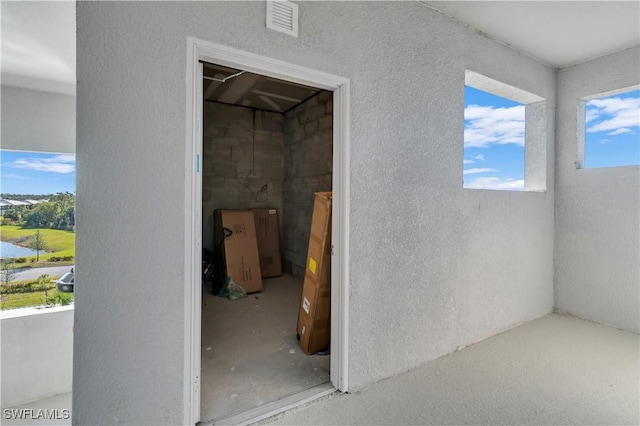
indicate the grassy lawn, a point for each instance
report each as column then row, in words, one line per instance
column 35, row 298
column 22, row 300
column 60, row 243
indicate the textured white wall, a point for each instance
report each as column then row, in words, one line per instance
column 433, row 266
column 37, row 354
column 38, row 121
column 597, row 275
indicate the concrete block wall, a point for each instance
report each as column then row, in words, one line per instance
column 243, row 161
column 308, row 157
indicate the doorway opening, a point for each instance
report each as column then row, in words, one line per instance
column 267, row 148
column 262, row 134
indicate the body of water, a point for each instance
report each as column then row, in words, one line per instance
column 12, row 250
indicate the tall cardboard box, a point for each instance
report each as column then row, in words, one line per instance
column 237, row 254
column 314, row 319
column 268, row 234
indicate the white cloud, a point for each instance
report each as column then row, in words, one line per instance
column 479, row 157
column 488, row 125
column 620, row 131
column 58, row 164
column 590, row 115
column 495, row 183
column 14, row 176
column 478, row 170
column 613, row 114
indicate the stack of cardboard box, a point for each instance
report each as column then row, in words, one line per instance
column 247, row 247
column 268, row 242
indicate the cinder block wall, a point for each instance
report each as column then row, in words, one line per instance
column 243, row 161
column 308, row 158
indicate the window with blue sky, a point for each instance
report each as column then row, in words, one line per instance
column 494, row 137
column 37, row 173
column 612, row 127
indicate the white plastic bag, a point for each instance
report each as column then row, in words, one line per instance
column 232, row 290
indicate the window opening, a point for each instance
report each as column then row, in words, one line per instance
column 504, row 136
column 37, row 214
column 494, row 138
column 611, row 126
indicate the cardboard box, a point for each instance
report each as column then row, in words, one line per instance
column 237, row 254
column 314, row 319
column 268, row 234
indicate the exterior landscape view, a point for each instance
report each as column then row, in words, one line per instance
column 37, row 228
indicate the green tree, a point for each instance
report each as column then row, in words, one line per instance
column 7, row 274
column 36, row 242
column 41, row 216
column 43, row 283
column 63, row 200
column 66, row 219
column 66, row 206
column 57, row 213
column 15, row 213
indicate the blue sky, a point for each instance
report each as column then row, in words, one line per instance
column 36, row 173
column 494, row 137
column 612, row 130
column 493, row 141
column 493, row 145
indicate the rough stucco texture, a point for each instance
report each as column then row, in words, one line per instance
column 36, row 354
column 38, row 121
column 433, row 267
column 597, row 240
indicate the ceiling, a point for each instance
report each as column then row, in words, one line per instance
column 39, row 45
column 558, row 33
column 232, row 86
column 39, row 49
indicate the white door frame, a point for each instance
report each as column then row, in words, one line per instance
column 201, row 50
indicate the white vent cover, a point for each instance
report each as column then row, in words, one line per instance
column 283, row 16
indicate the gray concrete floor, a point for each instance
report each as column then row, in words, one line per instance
column 555, row 370
column 250, row 355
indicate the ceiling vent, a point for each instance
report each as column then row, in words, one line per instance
column 283, row 16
